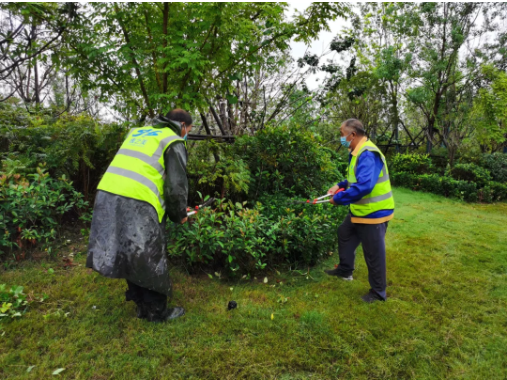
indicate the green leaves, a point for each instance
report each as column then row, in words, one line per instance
column 242, row 240
column 236, row 76
column 232, row 99
column 13, row 302
column 31, row 209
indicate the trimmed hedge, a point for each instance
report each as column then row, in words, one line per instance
column 450, row 187
column 496, row 163
column 243, row 240
column 471, row 173
column 411, row 163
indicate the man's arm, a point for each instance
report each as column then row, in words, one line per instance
column 176, row 182
column 369, row 166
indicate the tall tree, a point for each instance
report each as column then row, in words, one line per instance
column 444, row 28
column 30, row 34
column 153, row 56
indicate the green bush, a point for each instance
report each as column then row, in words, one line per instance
column 286, row 160
column 411, row 163
column 214, row 168
column 496, row 163
column 450, row 187
column 471, row 173
column 75, row 146
column 498, row 191
column 243, row 240
column 31, row 210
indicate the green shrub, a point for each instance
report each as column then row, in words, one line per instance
column 496, row 163
column 214, row 168
column 76, row 146
column 498, row 191
column 471, row 173
column 410, row 163
column 339, row 160
column 286, row 160
column 450, row 187
column 243, row 240
column 31, row 210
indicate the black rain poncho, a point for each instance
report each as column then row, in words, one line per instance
column 126, row 239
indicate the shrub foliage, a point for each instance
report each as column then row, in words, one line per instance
column 481, row 181
column 32, row 209
column 245, row 240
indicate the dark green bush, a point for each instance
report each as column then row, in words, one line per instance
column 286, row 160
column 75, row 146
column 471, row 173
column 498, row 191
column 496, row 163
column 31, row 210
column 243, row 240
column 450, row 187
column 214, row 168
column 410, row 163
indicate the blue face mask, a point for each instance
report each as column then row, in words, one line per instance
column 344, row 141
column 186, row 133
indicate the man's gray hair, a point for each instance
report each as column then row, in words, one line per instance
column 355, row 125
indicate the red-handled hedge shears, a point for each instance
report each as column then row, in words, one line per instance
column 193, row 211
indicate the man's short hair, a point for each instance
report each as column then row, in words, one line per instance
column 180, row 115
column 355, row 125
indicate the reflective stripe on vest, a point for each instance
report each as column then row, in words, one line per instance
column 138, row 178
column 138, row 169
column 381, row 197
column 143, row 157
column 378, row 198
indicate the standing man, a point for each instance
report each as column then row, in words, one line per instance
column 145, row 182
column 368, row 192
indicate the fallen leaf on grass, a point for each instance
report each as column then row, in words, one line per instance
column 68, row 263
column 272, row 316
column 58, row 371
column 29, row 369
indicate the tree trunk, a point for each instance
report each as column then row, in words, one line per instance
column 223, row 114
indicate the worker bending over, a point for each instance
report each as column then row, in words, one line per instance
column 145, row 182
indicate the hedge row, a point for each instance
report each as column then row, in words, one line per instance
column 450, row 187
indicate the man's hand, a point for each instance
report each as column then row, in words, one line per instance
column 184, row 220
column 332, row 201
column 333, row 190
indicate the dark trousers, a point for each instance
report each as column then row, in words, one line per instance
column 372, row 237
column 141, row 295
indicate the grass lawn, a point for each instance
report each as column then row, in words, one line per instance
column 446, row 316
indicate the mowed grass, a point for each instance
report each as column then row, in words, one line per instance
column 446, row 316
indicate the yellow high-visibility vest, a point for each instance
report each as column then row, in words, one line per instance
column 138, row 169
column 381, row 197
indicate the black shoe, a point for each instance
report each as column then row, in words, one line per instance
column 371, row 297
column 142, row 312
column 336, row 272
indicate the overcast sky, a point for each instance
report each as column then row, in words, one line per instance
column 320, row 45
